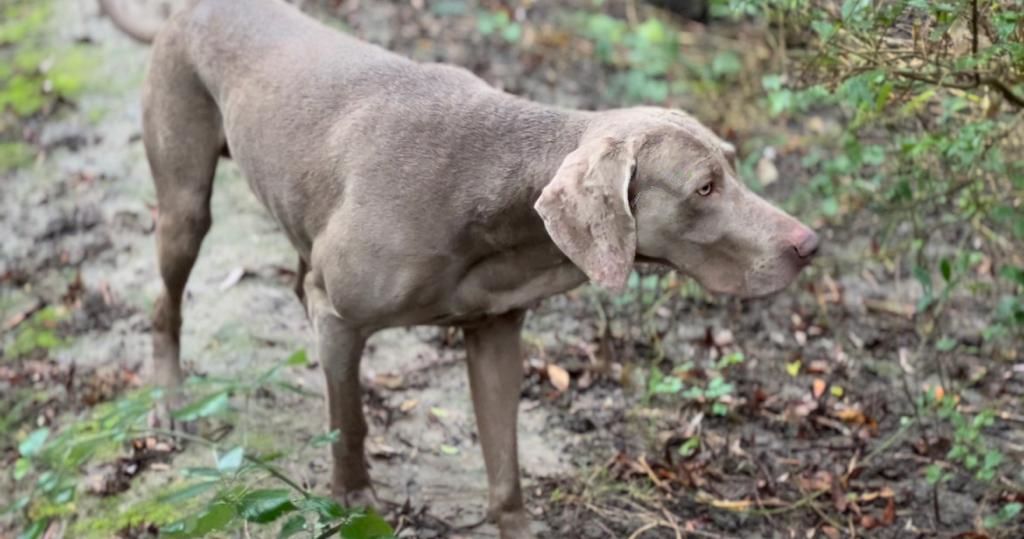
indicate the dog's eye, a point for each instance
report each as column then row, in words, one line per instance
column 705, row 190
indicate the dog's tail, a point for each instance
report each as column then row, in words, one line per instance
column 134, row 29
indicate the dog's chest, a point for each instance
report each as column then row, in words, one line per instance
column 512, row 280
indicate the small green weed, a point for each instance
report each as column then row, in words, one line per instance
column 38, row 333
column 716, row 394
column 970, row 451
column 14, row 155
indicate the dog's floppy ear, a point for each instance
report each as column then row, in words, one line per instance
column 586, row 212
column 730, row 153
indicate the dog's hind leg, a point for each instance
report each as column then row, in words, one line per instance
column 183, row 136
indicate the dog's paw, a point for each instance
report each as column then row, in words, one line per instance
column 362, row 498
column 162, row 416
column 514, row 525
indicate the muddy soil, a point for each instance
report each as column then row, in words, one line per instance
column 598, row 460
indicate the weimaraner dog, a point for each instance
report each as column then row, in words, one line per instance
column 416, row 194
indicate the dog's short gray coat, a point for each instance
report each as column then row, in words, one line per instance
column 416, row 194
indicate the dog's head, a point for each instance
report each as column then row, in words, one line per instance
column 655, row 185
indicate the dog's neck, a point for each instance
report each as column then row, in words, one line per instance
column 513, row 257
column 516, row 153
column 527, row 143
column 554, row 134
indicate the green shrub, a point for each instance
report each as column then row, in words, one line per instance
column 240, row 484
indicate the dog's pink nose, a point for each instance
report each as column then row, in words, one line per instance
column 805, row 242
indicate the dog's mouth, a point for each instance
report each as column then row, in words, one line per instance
column 709, row 285
column 763, row 279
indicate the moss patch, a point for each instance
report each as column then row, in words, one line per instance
column 35, row 74
column 14, row 155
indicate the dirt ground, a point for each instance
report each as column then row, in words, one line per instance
column 798, row 445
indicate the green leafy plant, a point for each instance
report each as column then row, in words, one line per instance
column 925, row 102
column 240, row 484
column 969, row 449
column 716, row 394
column 1006, row 515
column 1009, row 312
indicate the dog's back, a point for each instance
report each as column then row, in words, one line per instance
column 290, row 91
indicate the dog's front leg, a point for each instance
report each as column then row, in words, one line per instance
column 339, row 349
column 495, row 379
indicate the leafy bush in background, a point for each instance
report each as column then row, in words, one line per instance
column 930, row 98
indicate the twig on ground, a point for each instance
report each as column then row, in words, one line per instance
column 791, row 507
column 642, row 461
column 672, row 520
column 642, row 529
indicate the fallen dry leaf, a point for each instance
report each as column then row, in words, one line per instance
column 851, row 415
column 17, row 318
column 895, row 308
column 804, row 407
column 874, row 495
column 585, row 380
column 232, row 278
column 558, row 376
column 820, row 480
column 816, row 124
column 380, row 450
column 732, row 505
column 818, row 387
column 767, row 172
column 889, row 516
column 833, row 295
column 723, row 337
column 408, row 405
column 839, row 500
column 817, row 366
column 389, row 381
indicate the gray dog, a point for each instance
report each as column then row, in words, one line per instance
column 415, row 194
